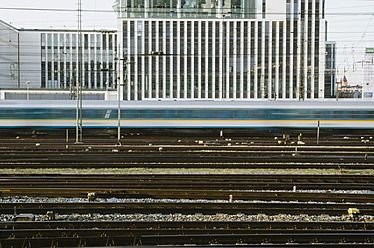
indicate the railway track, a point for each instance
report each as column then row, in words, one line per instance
column 214, row 187
column 156, row 196
column 186, row 156
column 176, row 196
column 204, row 208
column 300, row 188
column 329, row 137
column 264, row 234
column 199, row 182
column 191, row 194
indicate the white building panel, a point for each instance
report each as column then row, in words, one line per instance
column 10, row 75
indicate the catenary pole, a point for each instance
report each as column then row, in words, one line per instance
column 79, row 119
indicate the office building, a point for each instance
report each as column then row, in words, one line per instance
column 330, row 70
column 222, row 49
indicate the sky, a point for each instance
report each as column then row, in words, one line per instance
column 350, row 24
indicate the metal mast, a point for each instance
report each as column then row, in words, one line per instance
column 79, row 119
column 119, row 105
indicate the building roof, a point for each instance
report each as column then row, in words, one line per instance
column 54, row 30
column 8, row 25
column 344, row 79
column 67, row 30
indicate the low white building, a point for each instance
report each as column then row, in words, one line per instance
column 48, row 59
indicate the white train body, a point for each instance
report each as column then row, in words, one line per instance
column 190, row 114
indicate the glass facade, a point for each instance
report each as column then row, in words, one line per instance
column 59, row 60
column 222, row 57
column 176, row 9
column 330, row 70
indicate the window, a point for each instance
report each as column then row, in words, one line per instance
column 264, row 9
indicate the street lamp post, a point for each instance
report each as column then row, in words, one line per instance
column 28, row 89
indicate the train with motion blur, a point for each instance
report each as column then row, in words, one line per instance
column 189, row 114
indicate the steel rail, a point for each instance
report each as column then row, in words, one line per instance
column 346, row 178
column 195, row 186
column 189, row 237
column 259, row 238
column 36, row 234
column 176, row 156
column 207, row 182
column 254, row 164
column 129, row 225
column 185, row 232
column 191, row 194
column 186, row 208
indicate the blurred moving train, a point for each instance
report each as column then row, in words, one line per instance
column 189, row 114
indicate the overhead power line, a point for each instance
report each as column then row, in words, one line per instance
column 157, row 10
column 53, row 10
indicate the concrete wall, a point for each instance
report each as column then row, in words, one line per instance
column 9, row 74
column 30, row 59
column 43, row 94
